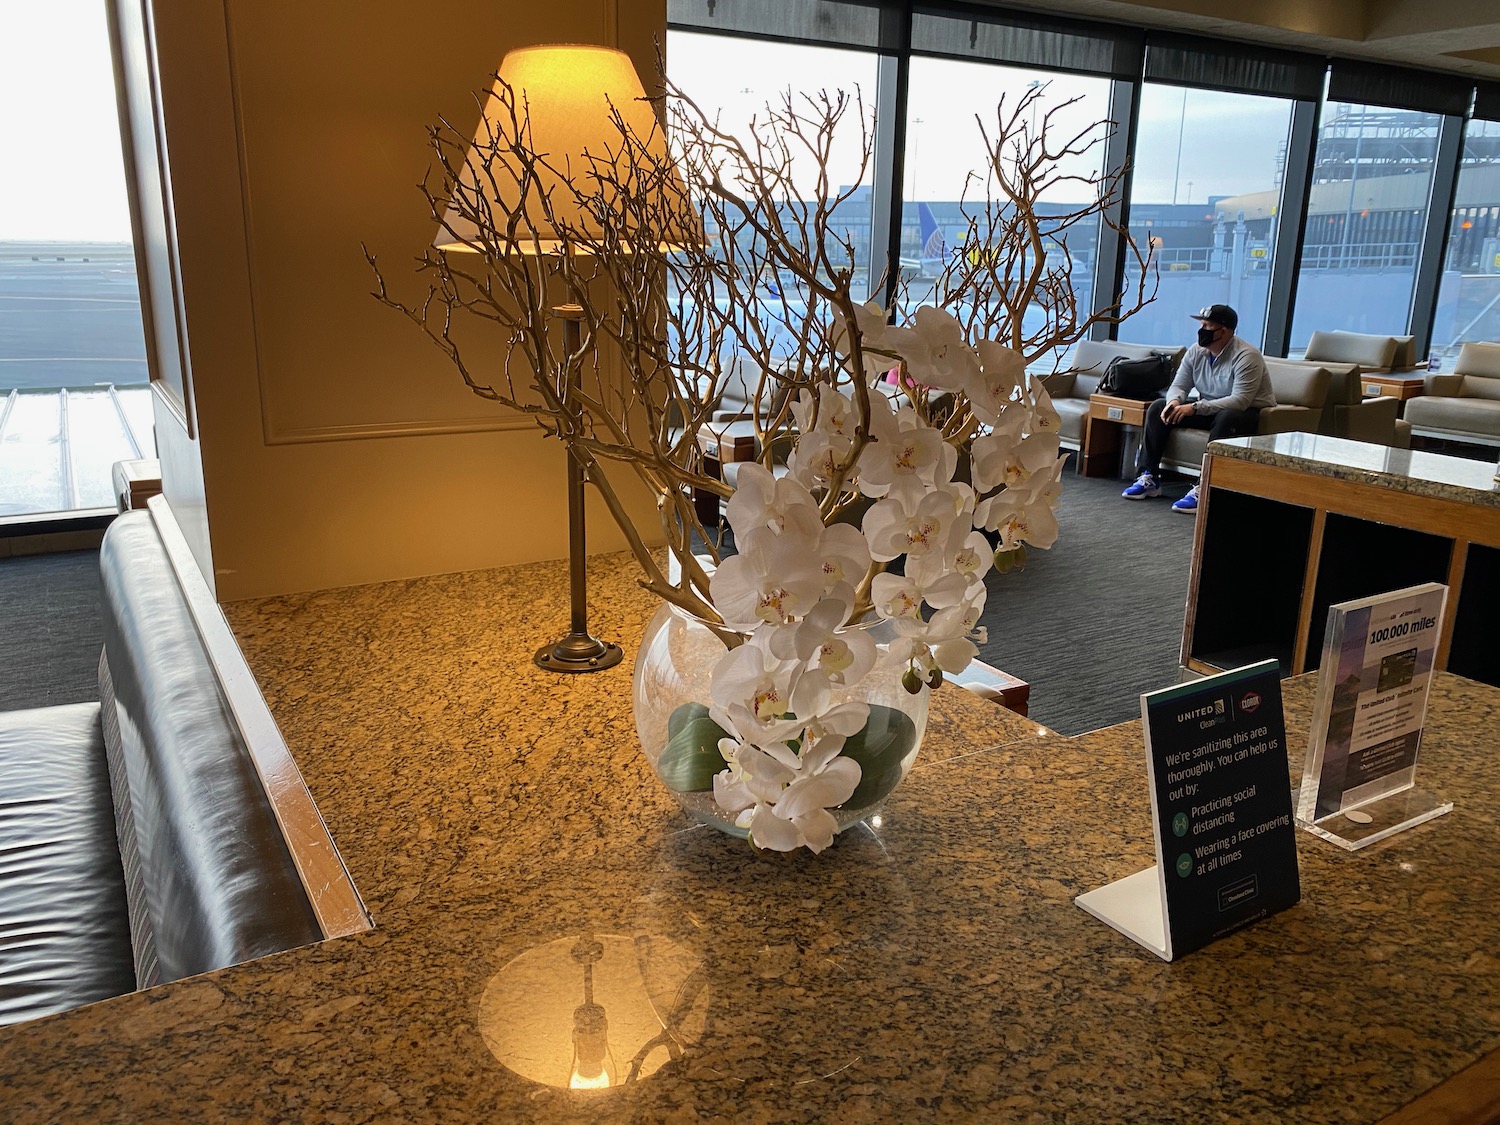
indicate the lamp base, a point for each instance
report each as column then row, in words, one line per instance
column 579, row 652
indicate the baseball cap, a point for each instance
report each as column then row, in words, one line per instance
column 1219, row 314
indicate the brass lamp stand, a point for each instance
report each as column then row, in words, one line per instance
column 579, row 651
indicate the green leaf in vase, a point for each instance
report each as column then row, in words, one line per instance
column 691, row 757
column 878, row 748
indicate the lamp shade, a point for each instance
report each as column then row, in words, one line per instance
column 564, row 98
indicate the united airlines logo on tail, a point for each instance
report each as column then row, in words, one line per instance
column 933, row 244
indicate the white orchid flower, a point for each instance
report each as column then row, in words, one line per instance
column 974, row 558
column 842, row 720
column 946, row 361
column 804, row 807
column 1042, row 417
column 946, row 641
column 1024, row 514
column 753, row 776
column 844, row 558
column 782, row 795
column 835, row 411
column 751, row 690
column 949, row 579
column 998, row 461
column 1020, row 523
column 896, row 596
column 933, row 525
column 761, row 499
column 799, row 817
column 772, row 580
column 821, row 645
column 906, row 459
column 901, row 596
column 992, row 389
column 819, row 457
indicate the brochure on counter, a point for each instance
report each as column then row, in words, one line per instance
column 1221, row 807
column 1358, row 785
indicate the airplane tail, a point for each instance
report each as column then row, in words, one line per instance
column 933, row 245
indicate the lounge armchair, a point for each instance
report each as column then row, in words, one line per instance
column 1375, row 354
column 1348, row 414
column 1071, row 387
column 1463, row 406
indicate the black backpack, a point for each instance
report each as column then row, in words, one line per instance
column 1137, row 378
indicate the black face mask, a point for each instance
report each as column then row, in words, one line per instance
column 1206, row 337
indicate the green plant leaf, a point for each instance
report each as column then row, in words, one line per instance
column 691, row 757
column 878, row 748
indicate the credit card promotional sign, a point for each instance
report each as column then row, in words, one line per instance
column 1221, row 805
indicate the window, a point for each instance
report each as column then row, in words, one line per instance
column 1226, row 135
column 1211, row 220
column 734, row 79
column 73, row 380
column 1366, row 213
column 947, row 168
column 1468, row 306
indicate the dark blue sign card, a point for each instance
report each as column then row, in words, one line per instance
column 1221, row 806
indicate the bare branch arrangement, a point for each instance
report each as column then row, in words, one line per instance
column 716, row 273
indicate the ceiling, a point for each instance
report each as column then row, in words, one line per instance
column 1461, row 36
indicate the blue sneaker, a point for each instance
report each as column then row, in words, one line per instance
column 1188, row 503
column 1145, row 487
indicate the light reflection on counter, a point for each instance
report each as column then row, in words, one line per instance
column 593, row 1011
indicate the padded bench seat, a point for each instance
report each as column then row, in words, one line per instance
column 64, row 917
column 139, row 843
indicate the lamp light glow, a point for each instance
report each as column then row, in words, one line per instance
column 566, row 101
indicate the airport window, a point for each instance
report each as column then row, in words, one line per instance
column 1468, row 305
column 1337, row 156
column 1366, row 214
column 946, row 168
column 1212, row 221
column 73, row 379
column 733, row 79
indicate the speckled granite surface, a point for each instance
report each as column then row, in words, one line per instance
column 1406, row 470
column 933, row 968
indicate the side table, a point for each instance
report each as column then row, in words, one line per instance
column 1391, row 385
column 1109, row 420
column 721, row 442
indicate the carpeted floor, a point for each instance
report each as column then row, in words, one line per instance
column 1097, row 620
column 52, row 632
column 1090, row 624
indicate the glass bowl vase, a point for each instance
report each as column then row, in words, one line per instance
column 673, row 668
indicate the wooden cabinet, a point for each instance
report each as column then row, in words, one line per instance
column 1292, row 523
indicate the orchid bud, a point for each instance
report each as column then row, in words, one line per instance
column 1012, row 559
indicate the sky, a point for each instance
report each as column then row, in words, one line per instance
column 1190, row 144
column 64, row 177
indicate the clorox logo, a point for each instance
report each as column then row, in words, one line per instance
column 1249, row 701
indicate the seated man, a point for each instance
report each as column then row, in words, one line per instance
column 1230, row 377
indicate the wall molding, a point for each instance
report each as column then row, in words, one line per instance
column 363, row 430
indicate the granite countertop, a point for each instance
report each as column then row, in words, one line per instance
column 497, row 818
column 1424, row 474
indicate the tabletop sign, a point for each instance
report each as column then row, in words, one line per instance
column 1358, row 785
column 1221, row 805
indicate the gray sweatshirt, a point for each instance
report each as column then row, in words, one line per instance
column 1237, row 380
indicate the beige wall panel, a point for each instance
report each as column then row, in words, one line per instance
column 333, row 116
column 1470, row 23
column 337, row 445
